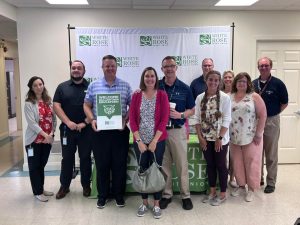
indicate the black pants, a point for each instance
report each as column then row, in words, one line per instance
column 82, row 141
column 216, row 165
column 147, row 159
column 110, row 148
column 36, row 165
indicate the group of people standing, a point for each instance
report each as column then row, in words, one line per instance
column 240, row 119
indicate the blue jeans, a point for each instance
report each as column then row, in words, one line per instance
column 147, row 159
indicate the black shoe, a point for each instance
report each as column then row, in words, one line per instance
column 187, row 204
column 101, row 203
column 269, row 189
column 120, row 202
column 164, row 202
column 86, row 191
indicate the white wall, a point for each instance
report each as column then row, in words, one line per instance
column 43, row 39
column 8, row 10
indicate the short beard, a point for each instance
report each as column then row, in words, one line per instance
column 76, row 78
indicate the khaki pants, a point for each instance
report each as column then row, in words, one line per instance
column 176, row 152
column 270, row 149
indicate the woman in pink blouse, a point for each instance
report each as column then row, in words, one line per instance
column 149, row 114
column 41, row 123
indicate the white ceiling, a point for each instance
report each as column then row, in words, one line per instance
column 166, row 4
column 8, row 30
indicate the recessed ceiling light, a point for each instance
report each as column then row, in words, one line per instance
column 235, row 2
column 67, row 2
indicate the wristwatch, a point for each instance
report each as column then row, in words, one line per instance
column 182, row 115
column 220, row 137
column 137, row 140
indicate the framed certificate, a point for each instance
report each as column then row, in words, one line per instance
column 109, row 111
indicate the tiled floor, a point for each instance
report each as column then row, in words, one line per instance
column 19, row 207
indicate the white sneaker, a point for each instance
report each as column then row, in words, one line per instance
column 48, row 193
column 142, row 210
column 233, row 184
column 235, row 192
column 41, row 198
column 208, row 198
column 249, row 197
column 217, row 201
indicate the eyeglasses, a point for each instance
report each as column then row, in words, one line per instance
column 264, row 66
column 110, row 67
column 242, row 81
column 169, row 66
column 207, row 65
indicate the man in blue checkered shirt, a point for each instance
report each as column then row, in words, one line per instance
column 110, row 147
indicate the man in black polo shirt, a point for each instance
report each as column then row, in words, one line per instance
column 74, row 130
column 274, row 93
column 176, row 143
column 198, row 86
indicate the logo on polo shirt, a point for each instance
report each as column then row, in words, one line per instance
column 214, row 39
column 154, row 40
column 129, row 61
column 93, row 40
column 187, row 60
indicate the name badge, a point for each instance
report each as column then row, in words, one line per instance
column 30, row 152
column 64, row 140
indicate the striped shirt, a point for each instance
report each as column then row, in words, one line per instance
column 100, row 86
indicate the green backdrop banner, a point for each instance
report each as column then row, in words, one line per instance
column 197, row 170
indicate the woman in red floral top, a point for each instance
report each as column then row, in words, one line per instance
column 39, row 134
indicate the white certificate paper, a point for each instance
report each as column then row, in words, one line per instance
column 109, row 111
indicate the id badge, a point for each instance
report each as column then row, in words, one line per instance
column 64, row 140
column 30, row 152
column 169, row 123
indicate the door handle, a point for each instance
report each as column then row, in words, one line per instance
column 298, row 112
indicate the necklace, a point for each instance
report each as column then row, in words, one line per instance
column 238, row 98
column 265, row 86
column 148, row 95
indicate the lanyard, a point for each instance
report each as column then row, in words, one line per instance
column 264, row 88
column 169, row 96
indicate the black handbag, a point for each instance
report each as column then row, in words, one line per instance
column 150, row 181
